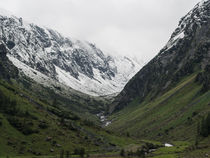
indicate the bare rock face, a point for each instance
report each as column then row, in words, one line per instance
column 3, row 51
column 187, row 51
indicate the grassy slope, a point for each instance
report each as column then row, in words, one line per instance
column 78, row 102
column 172, row 116
column 14, row 142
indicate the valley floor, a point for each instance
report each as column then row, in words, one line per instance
column 180, row 149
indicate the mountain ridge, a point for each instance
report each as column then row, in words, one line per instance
column 167, row 103
column 185, row 52
column 77, row 64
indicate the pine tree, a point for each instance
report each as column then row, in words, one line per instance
column 208, row 123
column 67, row 154
column 198, row 129
column 204, row 131
column 205, row 126
column 82, row 152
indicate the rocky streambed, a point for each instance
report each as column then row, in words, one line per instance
column 103, row 119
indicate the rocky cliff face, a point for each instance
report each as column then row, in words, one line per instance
column 187, row 51
column 77, row 64
column 7, row 69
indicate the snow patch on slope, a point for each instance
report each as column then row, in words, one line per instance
column 28, row 71
column 173, row 41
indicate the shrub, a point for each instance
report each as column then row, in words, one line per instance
column 62, row 154
column 88, row 123
column 82, row 152
column 194, row 113
column 43, row 125
column 67, row 154
column 128, row 134
column 79, row 151
column 27, row 130
column 140, row 153
column 23, row 126
column 122, row 153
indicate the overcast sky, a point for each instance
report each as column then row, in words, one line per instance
column 135, row 27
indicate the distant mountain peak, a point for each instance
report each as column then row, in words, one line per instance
column 194, row 18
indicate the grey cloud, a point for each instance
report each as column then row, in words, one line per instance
column 134, row 27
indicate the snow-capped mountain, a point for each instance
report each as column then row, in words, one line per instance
column 47, row 56
column 193, row 19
